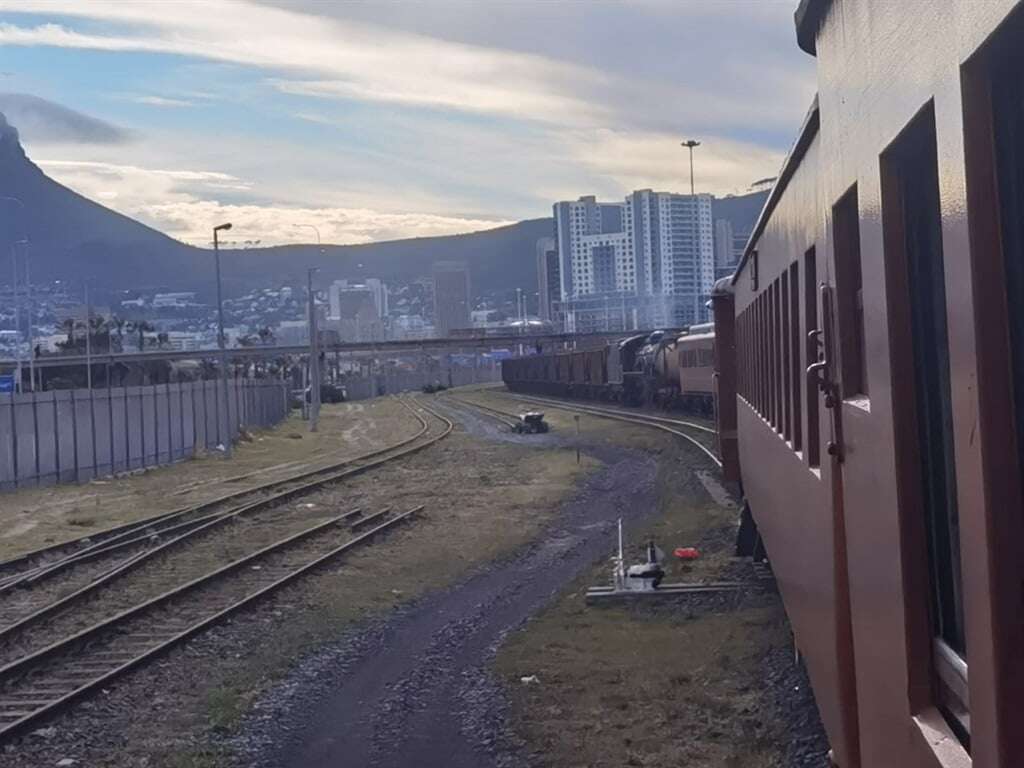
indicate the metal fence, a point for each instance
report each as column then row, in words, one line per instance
column 74, row 435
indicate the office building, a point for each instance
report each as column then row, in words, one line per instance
column 645, row 262
column 452, row 302
column 549, row 290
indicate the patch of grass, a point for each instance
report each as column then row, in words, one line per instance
column 203, row 758
column 651, row 686
column 225, row 707
column 82, row 522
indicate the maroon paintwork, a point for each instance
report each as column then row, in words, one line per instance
column 846, row 538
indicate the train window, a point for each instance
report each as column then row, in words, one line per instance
column 794, row 354
column 811, row 354
column 784, row 338
column 849, row 295
column 777, row 342
column 912, row 221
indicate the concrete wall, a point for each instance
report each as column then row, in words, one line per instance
column 69, row 436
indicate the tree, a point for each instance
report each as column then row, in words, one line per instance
column 142, row 327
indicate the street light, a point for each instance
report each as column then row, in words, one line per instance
column 690, row 144
column 314, row 341
column 225, row 421
column 314, row 355
column 17, row 296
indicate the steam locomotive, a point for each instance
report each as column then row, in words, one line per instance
column 669, row 368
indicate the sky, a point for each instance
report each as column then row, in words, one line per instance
column 382, row 120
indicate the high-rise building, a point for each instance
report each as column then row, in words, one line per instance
column 549, row 290
column 644, row 262
column 729, row 245
column 357, row 311
column 451, row 296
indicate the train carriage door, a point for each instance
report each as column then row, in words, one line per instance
column 839, row 376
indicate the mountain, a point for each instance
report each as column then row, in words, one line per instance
column 74, row 238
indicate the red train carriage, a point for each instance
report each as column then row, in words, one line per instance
column 880, row 380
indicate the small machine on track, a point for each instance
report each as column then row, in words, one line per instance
column 530, row 423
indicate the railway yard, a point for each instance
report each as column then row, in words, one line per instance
column 405, row 587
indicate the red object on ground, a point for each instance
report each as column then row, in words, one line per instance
column 686, row 553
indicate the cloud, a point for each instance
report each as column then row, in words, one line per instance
column 436, row 107
column 161, row 101
column 313, row 117
column 351, row 60
column 42, row 121
column 182, row 203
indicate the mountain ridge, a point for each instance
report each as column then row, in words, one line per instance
column 113, row 251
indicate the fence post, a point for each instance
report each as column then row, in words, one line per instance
column 92, row 432
column 56, row 437
column 74, row 436
column 142, row 422
column 110, row 422
column 181, row 418
column 35, row 437
column 127, row 433
column 195, row 419
column 156, row 426
column 216, row 412
column 170, row 429
column 14, row 441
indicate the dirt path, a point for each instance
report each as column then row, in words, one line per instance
column 417, row 691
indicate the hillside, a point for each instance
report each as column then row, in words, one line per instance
column 74, row 238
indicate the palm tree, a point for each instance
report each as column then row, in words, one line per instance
column 142, row 327
column 118, row 323
column 69, row 328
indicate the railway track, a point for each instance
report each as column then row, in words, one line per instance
column 35, row 613
column 31, row 566
column 41, row 573
column 705, row 438
column 165, row 605
column 39, row 686
column 504, row 418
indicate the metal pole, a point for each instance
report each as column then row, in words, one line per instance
column 88, row 341
column 692, row 188
column 17, row 296
column 690, row 144
column 221, row 343
column 30, row 313
column 17, row 317
column 314, row 356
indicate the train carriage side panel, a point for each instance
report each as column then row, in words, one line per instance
column 789, row 497
column 724, row 377
column 696, row 364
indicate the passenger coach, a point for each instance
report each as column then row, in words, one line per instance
column 878, row 318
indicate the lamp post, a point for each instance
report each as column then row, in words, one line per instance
column 314, row 340
column 314, row 355
column 17, row 295
column 221, row 343
column 690, row 144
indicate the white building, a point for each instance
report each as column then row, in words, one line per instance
column 644, row 262
column 180, row 299
column 377, row 289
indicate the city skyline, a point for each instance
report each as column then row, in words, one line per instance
column 468, row 123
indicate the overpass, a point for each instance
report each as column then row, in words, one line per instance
column 359, row 348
